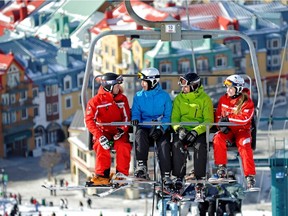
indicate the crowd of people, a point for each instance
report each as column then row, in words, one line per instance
column 168, row 134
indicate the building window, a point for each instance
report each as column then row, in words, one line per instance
column 24, row 114
column 202, row 64
column 80, row 79
column 184, row 66
column 67, row 83
column 48, row 91
column 55, row 108
column 165, row 67
column 36, row 111
column 5, row 99
column 274, row 43
column 274, row 60
column 23, row 95
column 35, row 92
column 221, row 61
column 106, row 49
column 68, row 102
column 80, row 101
column 49, row 109
column 13, row 78
column 13, row 117
column 54, row 90
column 12, row 98
column 166, row 85
column 5, row 118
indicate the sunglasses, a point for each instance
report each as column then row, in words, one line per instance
column 119, row 80
column 182, row 82
column 142, row 76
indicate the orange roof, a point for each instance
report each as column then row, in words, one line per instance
column 6, row 61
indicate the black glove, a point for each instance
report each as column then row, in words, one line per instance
column 182, row 132
column 191, row 136
column 224, row 129
column 156, row 134
column 119, row 134
column 135, row 122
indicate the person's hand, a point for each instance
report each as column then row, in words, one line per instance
column 135, row 122
column 104, row 142
column 157, row 133
column 191, row 137
column 182, row 133
column 119, row 134
column 224, row 129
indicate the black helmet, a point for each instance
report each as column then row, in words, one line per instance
column 109, row 79
column 231, row 175
column 191, row 79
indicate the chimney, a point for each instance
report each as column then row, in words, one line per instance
column 254, row 24
column 23, row 12
column 108, row 14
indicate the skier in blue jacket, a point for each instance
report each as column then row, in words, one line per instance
column 152, row 103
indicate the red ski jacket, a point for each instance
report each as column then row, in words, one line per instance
column 227, row 107
column 104, row 108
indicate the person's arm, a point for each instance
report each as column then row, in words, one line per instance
column 90, row 116
column 126, row 114
column 136, row 111
column 167, row 112
column 175, row 116
column 245, row 115
column 208, row 116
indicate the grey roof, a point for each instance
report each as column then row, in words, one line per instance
column 78, row 121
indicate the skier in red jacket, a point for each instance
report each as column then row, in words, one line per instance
column 238, row 108
column 109, row 105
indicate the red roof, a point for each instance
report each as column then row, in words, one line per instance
column 142, row 9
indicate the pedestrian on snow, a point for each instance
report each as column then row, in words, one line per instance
column 151, row 103
column 19, row 198
column 89, row 202
column 61, row 182
column 53, row 214
column 109, row 105
column 192, row 104
column 61, row 203
column 236, row 107
column 66, row 203
column 81, row 205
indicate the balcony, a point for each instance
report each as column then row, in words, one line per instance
column 18, row 105
column 18, row 126
column 20, row 87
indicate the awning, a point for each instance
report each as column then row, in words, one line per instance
column 17, row 136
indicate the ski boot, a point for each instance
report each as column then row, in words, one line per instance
column 222, row 171
column 141, row 172
column 178, row 184
column 250, row 181
column 167, row 182
column 199, row 189
column 98, row 180
column 191, row 176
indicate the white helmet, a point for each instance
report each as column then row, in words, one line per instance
column 151, row 75
column 235, row 81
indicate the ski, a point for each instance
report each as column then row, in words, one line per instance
column 115, row 189
column 175, row 196
column 64, row 188
column 253, row 189
column 122, row 179
column 220, row 180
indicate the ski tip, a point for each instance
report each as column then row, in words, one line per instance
column 254, row 189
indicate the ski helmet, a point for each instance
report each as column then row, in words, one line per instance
column 235, row 81
column 108, row 80
column 151, row 76
column 191, row 79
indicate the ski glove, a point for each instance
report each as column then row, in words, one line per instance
column 134, row 122
column 157, row 133
column 119, row 134
column 191, row 137
column 224, row 129
column 182, row 133
column 104, row 142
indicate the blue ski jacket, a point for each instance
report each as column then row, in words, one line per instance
column 152, row 105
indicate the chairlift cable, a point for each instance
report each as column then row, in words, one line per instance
column 192, row 47
column 278, row 83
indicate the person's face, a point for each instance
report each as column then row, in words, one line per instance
column 116, row 89
column 144, row 85
column 230, row 91
column 185, row 89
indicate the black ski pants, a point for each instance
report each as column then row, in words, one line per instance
column 179, row 156
column 143, row 141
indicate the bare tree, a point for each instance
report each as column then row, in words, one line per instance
column 49, row 160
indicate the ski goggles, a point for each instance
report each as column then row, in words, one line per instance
column 228, row 83
column 182, row 81
column 119, row 80
column 142, row 76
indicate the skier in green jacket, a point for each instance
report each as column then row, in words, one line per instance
column 191, row 105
